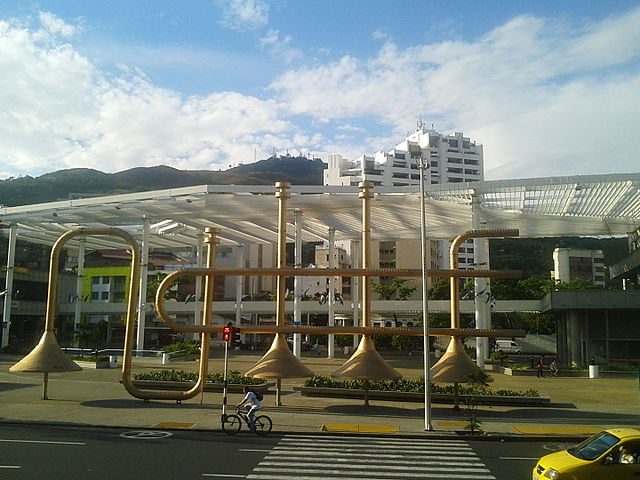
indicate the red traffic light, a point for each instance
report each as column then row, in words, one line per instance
column 226, row 333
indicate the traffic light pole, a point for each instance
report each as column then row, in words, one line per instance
column 224, row 384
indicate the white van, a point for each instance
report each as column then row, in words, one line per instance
column 508, row 346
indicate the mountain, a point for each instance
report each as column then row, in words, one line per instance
column 82, row 182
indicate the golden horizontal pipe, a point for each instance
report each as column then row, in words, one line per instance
column 413, row 332
column 406, row 331
column 343, row 272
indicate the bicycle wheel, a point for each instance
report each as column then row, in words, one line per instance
column 231, row 424
column 263, row 425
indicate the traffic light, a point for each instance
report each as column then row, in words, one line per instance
column 236, row 336
column 227, row 333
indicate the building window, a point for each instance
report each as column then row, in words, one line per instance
column 400, row 156
column 454, row 170
column 434, row 163
column 453, row 143
column 454, row 160
column 95, row 280
column 454, row 180
column 95, row 295
column 470, row 172
column 104, row 295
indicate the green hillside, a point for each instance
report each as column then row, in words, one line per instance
column 79, row 182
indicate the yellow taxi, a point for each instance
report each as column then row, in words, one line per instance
column 609, row 455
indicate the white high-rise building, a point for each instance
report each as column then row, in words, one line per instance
column 449, row 159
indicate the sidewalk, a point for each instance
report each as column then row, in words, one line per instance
column 579, row 406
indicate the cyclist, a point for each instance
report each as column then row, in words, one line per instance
column 251, row 405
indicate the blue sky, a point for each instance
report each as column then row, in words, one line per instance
column 548, row 87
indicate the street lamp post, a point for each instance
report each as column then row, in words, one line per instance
column 425, row 302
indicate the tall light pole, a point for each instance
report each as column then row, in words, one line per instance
column 425, row 302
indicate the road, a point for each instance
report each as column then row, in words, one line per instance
column 60, row 453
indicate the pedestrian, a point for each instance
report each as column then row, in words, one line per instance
column 553, row 368
column 540, row 366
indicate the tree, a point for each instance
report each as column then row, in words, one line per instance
column 395, row 289
column 440, row 290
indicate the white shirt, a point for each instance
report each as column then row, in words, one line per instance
column 250, row 397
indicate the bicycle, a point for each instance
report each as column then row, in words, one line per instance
column 231, row 424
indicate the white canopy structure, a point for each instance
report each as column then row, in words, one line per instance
column 598, row 205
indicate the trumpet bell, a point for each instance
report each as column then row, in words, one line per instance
column 47, row 356
column 279, row 362
column 366, row 364
column 455, row 366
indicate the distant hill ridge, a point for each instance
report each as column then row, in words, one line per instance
column 88, row 182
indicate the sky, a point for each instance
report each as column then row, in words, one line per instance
column 549, row 88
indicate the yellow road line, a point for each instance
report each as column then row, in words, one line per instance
column 558, row 429
column 452, row 424
column 346, row 427
column 174, row 425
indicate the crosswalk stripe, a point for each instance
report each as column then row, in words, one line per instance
column 376, row 447
column 434, row 476
column 356, row 450
column 307, row 457
column 364, row 466
column 389, row 441
column 431, row 460
column 359, row 475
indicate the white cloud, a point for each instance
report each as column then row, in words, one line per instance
column 280, row 47
column 56, row 25
column 541, row 96
column 244, row 15
column 545, row 98
column 59, row 111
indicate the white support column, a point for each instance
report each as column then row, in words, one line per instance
column 482, row 287
column 142, row 300
column 297, row 285
column 239, row 283
column 331, row 299
column 197, row 307
column 8, row 295
column 355, row 288
column 79, row 281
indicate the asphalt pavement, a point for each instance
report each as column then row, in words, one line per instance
column 579, row 405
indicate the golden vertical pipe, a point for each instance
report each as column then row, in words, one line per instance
column 211, row 239
column 453, row 259
column 282, row 195
column 366, row 195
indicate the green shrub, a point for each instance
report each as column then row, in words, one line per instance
column 233, row 376
column 416, row 386
column 89, row 358
column 188, row 347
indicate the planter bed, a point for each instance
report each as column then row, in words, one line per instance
column 419, row 397
column 83, row 364
column 208, row 386
column 561, row 373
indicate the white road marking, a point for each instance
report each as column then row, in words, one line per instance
column 10, row 466
column 46, row 442
column 518, row 458
column 254, row 450
column 223, row 475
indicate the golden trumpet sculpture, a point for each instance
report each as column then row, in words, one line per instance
column 278, row 362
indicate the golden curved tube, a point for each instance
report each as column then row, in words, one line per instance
column 134, row 290
column 171, row 278
column 453, row 263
